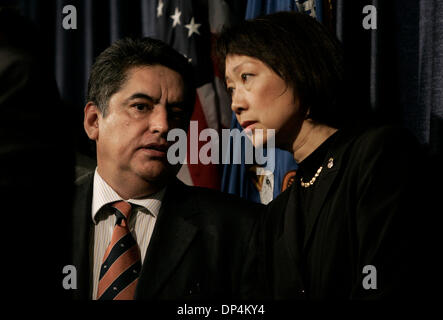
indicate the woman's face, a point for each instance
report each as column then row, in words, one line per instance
column 262, row 100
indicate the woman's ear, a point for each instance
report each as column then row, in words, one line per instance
column 90, row 121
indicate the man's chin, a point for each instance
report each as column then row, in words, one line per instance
column 160, row 172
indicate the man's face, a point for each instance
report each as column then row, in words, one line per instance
column 131, row 141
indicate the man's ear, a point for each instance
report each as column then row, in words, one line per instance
column 90, row 121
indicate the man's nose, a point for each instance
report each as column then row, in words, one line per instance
column 158, row 121
column 238, row 102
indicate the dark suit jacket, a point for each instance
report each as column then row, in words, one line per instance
column 202, row 246
column 367, row 209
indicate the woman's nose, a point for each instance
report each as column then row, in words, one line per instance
column 238, row 102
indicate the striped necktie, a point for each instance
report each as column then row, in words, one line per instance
column 121, row 263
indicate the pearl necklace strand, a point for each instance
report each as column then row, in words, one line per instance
column 311, row 182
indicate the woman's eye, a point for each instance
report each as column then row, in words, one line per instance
column 245, row 76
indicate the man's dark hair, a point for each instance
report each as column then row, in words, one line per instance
column 109, row 71
column 301, row 51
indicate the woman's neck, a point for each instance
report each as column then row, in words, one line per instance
column 310, row 137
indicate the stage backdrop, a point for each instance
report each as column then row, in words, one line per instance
column 397, row 67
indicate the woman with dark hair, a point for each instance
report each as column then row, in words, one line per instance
column 345, row 228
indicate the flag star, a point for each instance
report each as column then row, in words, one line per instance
column 160, row 8
column 176, row 17
column 192, row 27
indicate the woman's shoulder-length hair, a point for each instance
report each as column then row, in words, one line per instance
column 302, row 52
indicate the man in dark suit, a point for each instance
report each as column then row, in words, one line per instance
column 191, row 243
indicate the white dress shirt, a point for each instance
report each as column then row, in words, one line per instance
column 141, row 222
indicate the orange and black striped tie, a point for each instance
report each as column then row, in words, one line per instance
column 121, row 264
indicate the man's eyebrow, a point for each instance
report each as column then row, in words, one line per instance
column 139, row 95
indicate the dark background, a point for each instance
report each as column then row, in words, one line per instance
column 396, row 70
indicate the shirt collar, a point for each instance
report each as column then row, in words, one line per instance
column 104, row 194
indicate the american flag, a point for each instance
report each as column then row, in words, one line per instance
column 189, row 27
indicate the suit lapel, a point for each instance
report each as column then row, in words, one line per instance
column 171, row 237
column 82, row 232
